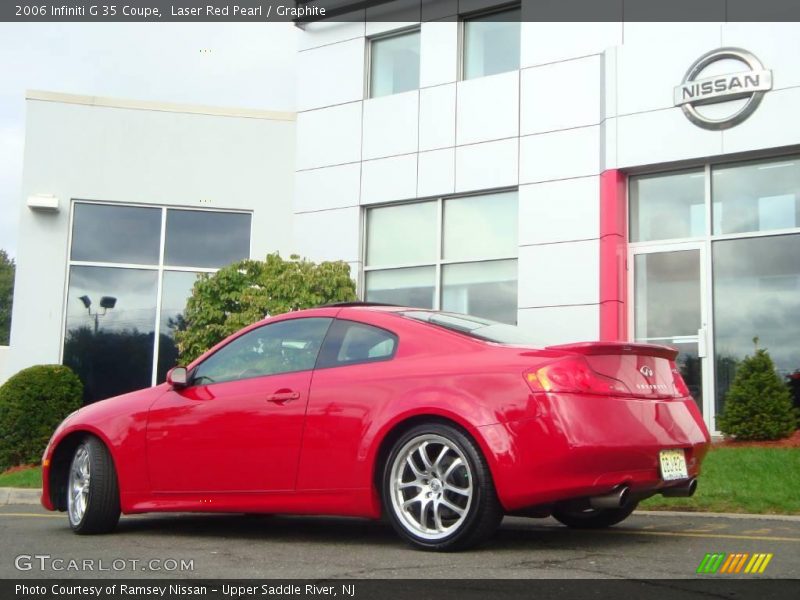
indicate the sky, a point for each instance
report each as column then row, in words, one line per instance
column 243, row 65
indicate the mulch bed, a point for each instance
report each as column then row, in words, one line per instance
column 793, row 441
column 17, row 468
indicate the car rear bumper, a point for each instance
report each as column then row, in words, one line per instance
column 581, row 445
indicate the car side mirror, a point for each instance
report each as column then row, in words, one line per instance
column 178, row 377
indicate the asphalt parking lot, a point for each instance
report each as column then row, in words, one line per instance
column 242, row 546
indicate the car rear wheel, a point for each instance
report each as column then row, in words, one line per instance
column 437, row 489
column 92, row 489
column 594, row 518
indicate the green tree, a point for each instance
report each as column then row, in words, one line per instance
column 249, row 290
column 7, row 269
column 758, row 404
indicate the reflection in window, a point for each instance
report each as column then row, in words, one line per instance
column 756, row 295
column 491, row 44
column 404, row 287
column 116, row 234
column 667, row 291
column 394, row 64
column 667, row 206
column 176, row 289
column 199, row 238
column 113, row 352
column 758, row 196
column 349, row 343
column 283, row 347
column 110, row 350
column 482, row 289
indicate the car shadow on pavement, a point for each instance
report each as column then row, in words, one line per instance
column 512, row 535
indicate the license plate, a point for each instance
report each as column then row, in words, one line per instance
column 673, row 465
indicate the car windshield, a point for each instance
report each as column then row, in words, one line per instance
column 477, row 327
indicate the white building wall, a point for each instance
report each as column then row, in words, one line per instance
column 130, row 152
column 588, row 97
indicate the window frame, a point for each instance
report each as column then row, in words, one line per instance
column 192, row 373
column 160, row 267
column 329, row 347
column 462, row 35
column 439, row 262
column 369, row 62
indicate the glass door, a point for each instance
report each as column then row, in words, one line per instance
column 668, row 295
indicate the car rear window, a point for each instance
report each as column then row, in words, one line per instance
column 475, row 327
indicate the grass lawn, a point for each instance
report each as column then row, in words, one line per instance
column 24, row 478
column 744, row 480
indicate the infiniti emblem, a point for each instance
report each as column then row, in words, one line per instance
column 646, row 371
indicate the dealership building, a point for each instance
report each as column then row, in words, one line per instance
column 616, row 181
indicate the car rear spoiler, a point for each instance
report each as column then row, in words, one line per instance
column 599, row 348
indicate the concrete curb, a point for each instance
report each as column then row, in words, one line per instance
column 20, row 495
column 715, row 515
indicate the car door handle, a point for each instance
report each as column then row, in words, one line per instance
column 282, row 396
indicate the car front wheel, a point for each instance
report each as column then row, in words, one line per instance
column 438, row 490
column 92, row 489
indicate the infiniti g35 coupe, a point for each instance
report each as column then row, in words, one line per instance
column 441, row 422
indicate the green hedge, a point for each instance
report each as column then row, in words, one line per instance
column 32, row 404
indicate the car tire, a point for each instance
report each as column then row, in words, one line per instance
column 437, row 489
column 92, row 489
column 594, row 518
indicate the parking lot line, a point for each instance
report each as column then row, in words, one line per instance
column 728, row 536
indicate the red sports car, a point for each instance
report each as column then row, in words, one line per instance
column 441, row 422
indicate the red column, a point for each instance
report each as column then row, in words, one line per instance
column 613, row 256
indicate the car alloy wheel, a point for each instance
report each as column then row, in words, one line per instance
column 437, row 489
column 78, row 486
column 431, row 487
column 92, row 489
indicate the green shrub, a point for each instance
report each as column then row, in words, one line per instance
column 32, row 404
column 758, row 405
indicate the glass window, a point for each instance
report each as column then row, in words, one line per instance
column 282, row 347
column 394, row 64
column 756, row 196
column 491, row 44
column 756, row 295
column 483, row 289
column 667, row 206
column 401, row 235
column 111, row 315
column 349, row 342
column 176, row 288
column 480, row 227
column 201, row 238
column 667, row 291
column 116, row 234
column 473, row 326
column 406, row 287
column 463, row 249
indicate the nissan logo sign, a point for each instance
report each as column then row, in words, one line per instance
column 751, row 84
column 646, row 371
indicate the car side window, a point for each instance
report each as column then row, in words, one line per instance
column 351, row 342
column 282, row 347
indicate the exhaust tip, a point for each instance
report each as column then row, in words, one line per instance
column 615, row 499
column 684, row 490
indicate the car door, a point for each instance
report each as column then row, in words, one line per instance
column 354, row 378
column 237, row 426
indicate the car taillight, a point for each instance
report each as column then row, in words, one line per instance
column 574, row 375
column 681, row 389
